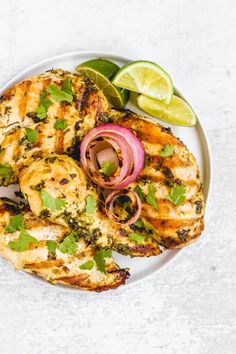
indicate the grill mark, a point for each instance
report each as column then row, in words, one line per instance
column 166, row 224
column 44, row 264
column 167, row 209
column 81, row 102
column 161, row 179
column 23, row 102
column 170, row 162
column 150, row 132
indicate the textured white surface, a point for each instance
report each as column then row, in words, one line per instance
column 190, row 306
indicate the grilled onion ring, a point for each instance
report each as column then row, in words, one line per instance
column 136, row 206
column 126, row 145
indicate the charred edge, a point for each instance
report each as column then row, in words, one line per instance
column 10, row 205
column 167, row 172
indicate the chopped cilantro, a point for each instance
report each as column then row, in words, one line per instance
column 51, row 245
column 139, row 223
column 90, row 204
column 32, row 135
column 167, row 150
column 139, row 239
column 67, row 86
column 108, row 168
column 61, row 124
column 124, row 201
column 43, row 106
column 87, row 265
column 150, row 198
column 55, row 204
column 59, row 94
column 100, row 259
column 6, row 171
column 177, row 194
column 23, row 242
column 68, row 245
column 140, row 193
column 16, row 223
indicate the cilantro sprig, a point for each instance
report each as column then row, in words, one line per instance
column 16, row 224
column 25, row 239
column 6, row 171
column 91, row 204
column 167, row 150
column 61, row 94
column 177, row 194
column 87, row 265
column 43, row 106
column 100, row 257
column 55, row 204
column 52, row 246
column 23, row 242
column 108, row 168
column 61, row 124
column 31, row 134
column 68, row 245
column 150, row 198
column 139, row 239
column 140, row 193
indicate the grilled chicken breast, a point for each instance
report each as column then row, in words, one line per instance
column 56, row 266
column 29, row 104
column 175, row 225
column 61, row 180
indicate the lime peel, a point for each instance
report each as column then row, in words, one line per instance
column 147, row 78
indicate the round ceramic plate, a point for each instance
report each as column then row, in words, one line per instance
column 194, row 138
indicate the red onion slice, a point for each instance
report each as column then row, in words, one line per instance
column 128, row 148
column 136, row 206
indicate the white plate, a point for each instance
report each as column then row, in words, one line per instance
column 195, row 139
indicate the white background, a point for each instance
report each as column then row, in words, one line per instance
column 190, row 307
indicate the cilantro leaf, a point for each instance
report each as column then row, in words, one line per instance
column 67, row 86
column 6, row 171
column 90, row 204
column 150, row 198
column 68, row 245
column 55, row 204
column 108, row 168
column 43, row 106
column 177, row 194
column 100, row 259
column 59, row 94
column 139, row 223
column 23, row 242
column 140, row 193
column 124, row 201
column 51, row 245
column 32, row 135
column 61, row 124
column 167, row 150
column 87, row 265
column 139, row 239
column 16, row 223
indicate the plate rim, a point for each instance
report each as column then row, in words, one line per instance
column 205, row 146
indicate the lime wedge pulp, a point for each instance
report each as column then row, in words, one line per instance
column 101, row 71
column 178, row 112
column 147, row 78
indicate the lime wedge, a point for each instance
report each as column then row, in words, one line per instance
column 101, row 71
column 178, row 112
column 147, row 78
